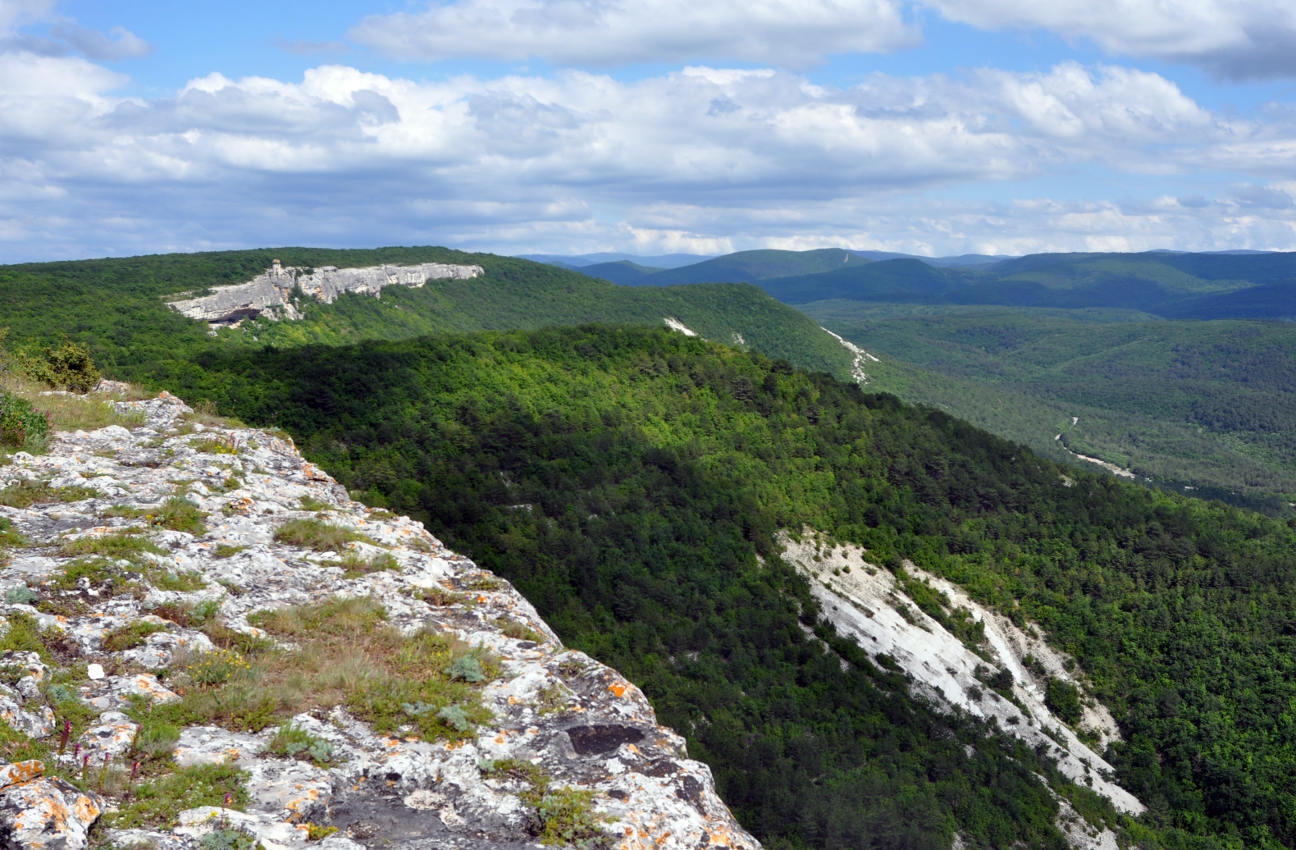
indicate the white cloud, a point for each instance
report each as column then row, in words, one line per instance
column 17, row 13
column 616, row 32
column 59, row 36
column 582, row 161
column 1234, row 38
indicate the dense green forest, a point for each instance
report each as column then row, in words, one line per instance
column 631, row 482
column 1145, row 350
column 1204, row 404
column 627, row 480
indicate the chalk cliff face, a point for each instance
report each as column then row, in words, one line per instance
column 144, row 553
column 866, row 603
column 270, row 293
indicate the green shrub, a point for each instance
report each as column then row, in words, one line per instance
column 295, row 742
column 1063, row 699
column 22, row 596
column 21, row 425
column 68, row 367
column 562, row 816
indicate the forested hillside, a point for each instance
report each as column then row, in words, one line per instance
column 1139, row 360
column 628, row 481
column 117, row 307
column 1204, row 405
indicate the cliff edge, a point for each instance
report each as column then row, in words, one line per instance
column 207, row 643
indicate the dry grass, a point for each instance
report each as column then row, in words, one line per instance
column 72, row 412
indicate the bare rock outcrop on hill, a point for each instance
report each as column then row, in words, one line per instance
column 139, row 560
column 270, row 294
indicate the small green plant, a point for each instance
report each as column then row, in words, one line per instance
column 456, row 718
column 215, row 445
column 228, row 838
column 563, row 816
column 124, row 511
column 22, row 596
column 179, row 514
column 552, row 699
column 467, row 668
column 442, row 597
column 320, row 536
column 518, row 631
column 132, row 635
column 310, row 503
column 216, row 667
column 97, row 571
column 225, row 550
column 155, row 740
column 316, row 832
column 295, row 742
column 566, row 817
column 183, row 580
column 24, row 635
column 354, row 566
column 482, row 581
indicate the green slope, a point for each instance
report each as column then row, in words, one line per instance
column 116, row 307
column 1204, row 404
column 656, row 469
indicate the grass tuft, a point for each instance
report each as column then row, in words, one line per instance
column 320, row 536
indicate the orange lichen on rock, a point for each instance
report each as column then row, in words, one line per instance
column 21, row 771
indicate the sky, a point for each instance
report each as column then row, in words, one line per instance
column 932, row 127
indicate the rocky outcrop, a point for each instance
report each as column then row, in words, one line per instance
column 1003, row 679
column 270, row 294
column 142, row 554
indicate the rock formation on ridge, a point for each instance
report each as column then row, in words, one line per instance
column 270, row 293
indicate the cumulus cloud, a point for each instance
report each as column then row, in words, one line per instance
column 583, row 161
column 1234, row 38
column 615, row 32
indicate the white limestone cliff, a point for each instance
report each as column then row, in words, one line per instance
column 270, row 293
column 866, row 603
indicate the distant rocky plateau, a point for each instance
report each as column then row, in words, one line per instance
column 126, row 614
column 270, row 293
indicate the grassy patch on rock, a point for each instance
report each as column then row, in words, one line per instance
column 317, row 535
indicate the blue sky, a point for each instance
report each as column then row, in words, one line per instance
column 935, row 127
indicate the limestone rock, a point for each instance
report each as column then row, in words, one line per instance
column 271, row 292
column 39, row 811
